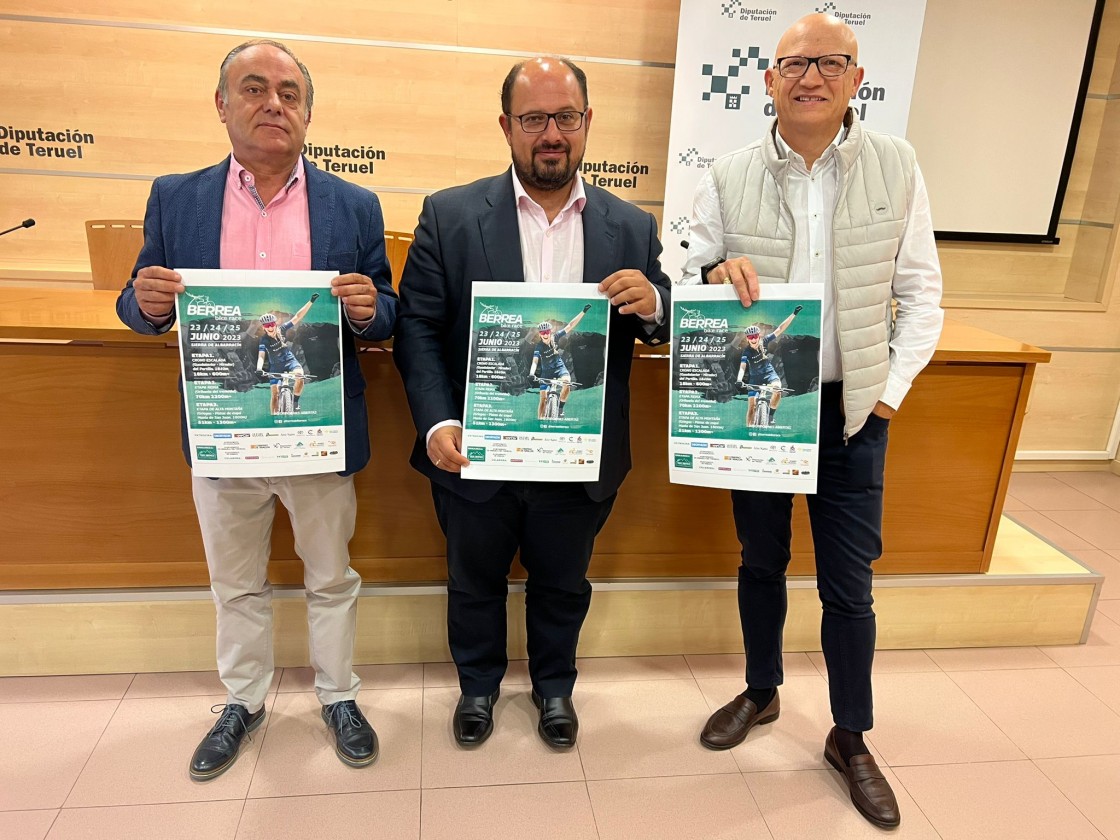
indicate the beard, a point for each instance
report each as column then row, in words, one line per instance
column 547, row 175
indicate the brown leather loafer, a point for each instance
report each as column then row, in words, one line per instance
column 871, row 793
column 728, row 727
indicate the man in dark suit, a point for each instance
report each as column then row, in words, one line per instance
column 537, row 222
column 267, row 207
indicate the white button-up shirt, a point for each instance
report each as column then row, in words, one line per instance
column 811, row 196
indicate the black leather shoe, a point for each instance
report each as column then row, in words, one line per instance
column 354, row 739
column 473, row 720
column 559, row 723
column 219, row 749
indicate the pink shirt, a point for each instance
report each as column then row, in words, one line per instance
column 276, row 236
column 551, row 253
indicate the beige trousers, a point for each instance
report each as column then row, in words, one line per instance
column 235, row 515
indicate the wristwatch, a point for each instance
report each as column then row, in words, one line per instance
column 704, row 269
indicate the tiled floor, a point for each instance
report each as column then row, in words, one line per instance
column 999, row 743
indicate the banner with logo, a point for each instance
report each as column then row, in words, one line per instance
column 724, row 48
column 744, row 405
column 262, row 372
column 536, row 381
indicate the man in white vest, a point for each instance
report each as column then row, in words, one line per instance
column 819, row 199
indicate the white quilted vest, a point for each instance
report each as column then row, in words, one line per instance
column 876, row 183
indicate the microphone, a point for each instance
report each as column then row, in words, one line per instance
column 24, row 224
column 684, row 243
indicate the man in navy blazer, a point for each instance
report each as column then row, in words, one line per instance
column 537, row 222
column 267, row 207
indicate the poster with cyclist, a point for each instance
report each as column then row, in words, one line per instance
column 261, row 355
column 744, row 406
column 533, row 408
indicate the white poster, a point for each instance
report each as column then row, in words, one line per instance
column 262, row 372
column 536, row 383
column 719, row 94
column 744, row 405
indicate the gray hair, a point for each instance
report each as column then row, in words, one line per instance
column 223, row 73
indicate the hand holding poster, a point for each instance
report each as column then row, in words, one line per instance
column 744, row 407
column 536, row 382
column 262, row 372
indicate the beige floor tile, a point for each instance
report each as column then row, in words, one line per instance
column 57, row 689
column 888, row 662
column 1045, row 712
column 1101, row 528
column 928, row 719
column 1103, row 681
column 727, row 666
column 711, row 807
column 514, row 753
column 1007, row 800
column 45, row 747
column 297, row 737
column 178, row 821
column 795, row 741
column 1049, row 530
column 558, row 811
column 815, row 805
column 1102, row 486
column 1042, row 491
column 26, row 825
column 385, row 815
column 1110, row 609
column 1102, row 648
column 372, row 677
column 1011, row 503
column 991, row 659
column 1104, row 563
column 143, row 756
column 1091, row 783
column 183, row 684
column 635, row 729
column 624, row 668
column 441, row 674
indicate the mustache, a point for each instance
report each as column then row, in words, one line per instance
column 552, row 147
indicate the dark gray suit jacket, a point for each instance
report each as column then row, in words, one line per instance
column 470, row 233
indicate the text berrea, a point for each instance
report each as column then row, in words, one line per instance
column 213, row 309
column 499, row 318
column 703, row 323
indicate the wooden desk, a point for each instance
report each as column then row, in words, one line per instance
column 97, row 493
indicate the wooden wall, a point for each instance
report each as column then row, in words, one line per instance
column 419, row 81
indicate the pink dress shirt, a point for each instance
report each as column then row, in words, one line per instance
column 276, row 236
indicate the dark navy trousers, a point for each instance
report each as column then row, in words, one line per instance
column 554, row 525
column 846, row 517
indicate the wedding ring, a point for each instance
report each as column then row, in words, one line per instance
column 438, row 461
column 727, row 280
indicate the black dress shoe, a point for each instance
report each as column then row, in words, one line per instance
column 473, row 720
column 354, row 739
column 559, row 723
column 218, row 750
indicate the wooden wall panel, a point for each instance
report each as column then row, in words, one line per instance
column 422, row 21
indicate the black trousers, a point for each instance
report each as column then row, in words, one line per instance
column 846, row 516
column 554, row 525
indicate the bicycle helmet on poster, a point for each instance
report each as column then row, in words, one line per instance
column 544, row 327
column 268, row 319
column 753, row 331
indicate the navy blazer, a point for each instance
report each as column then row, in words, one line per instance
column 470, row 233
column 183, row 229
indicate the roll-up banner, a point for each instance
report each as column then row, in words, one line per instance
column 719, row 94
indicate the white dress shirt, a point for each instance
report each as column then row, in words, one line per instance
column 812, row 196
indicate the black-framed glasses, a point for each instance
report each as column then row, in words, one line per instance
column 535, row 122
column 796, row 66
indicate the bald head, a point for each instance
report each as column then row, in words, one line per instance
column 818, row 29
column 535, row 70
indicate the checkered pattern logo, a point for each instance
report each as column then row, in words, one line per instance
column 679, row 225
column 724, row 84
column 826, row 8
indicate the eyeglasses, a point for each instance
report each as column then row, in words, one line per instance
column 536, row 122
column 796, row 66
